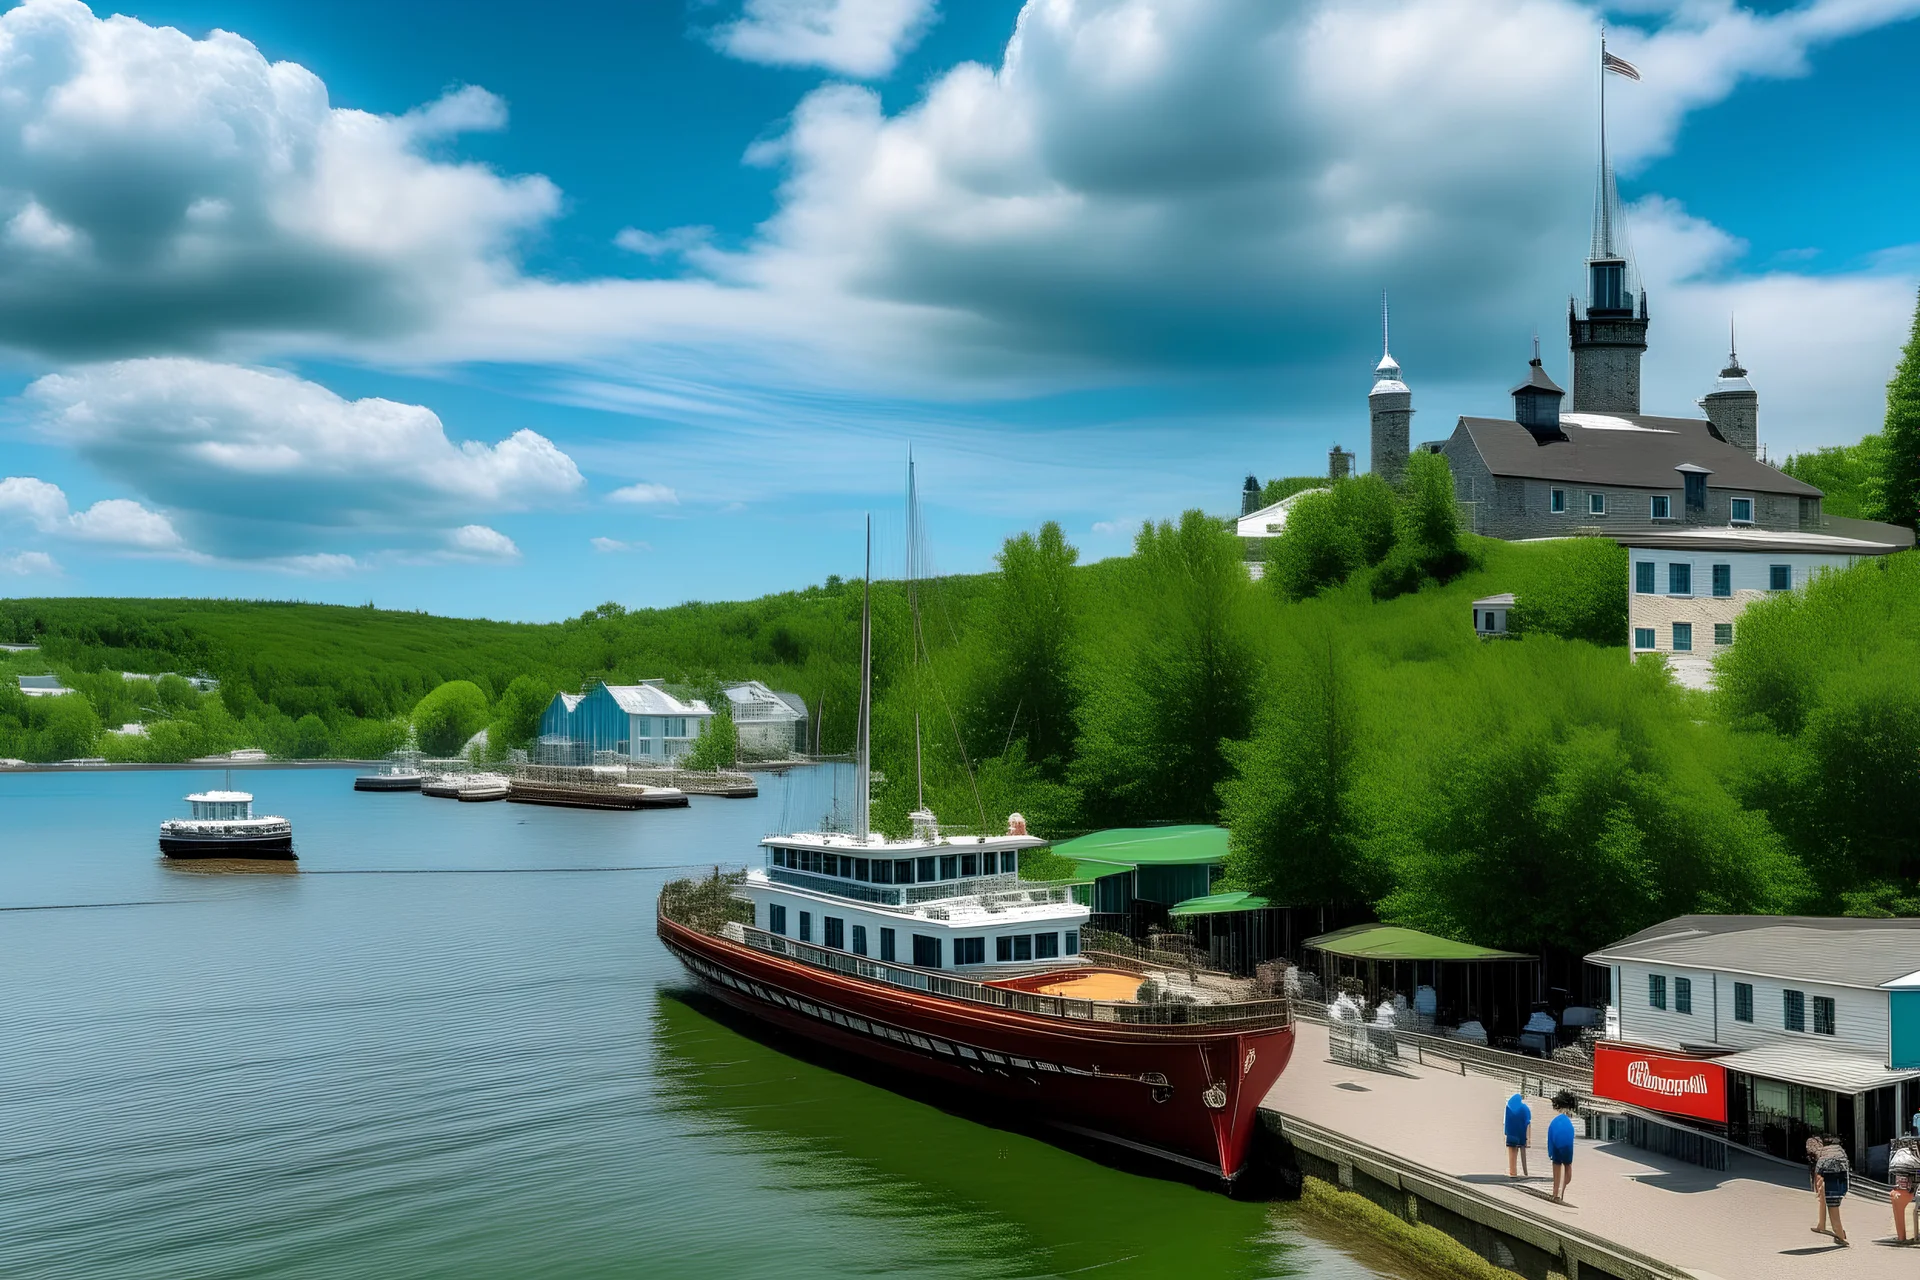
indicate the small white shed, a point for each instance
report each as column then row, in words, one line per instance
column 1490, row 615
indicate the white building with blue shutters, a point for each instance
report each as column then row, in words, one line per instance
column 1815, row 1019
column 1688, row 587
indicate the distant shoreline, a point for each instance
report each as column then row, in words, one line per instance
column 136, row 767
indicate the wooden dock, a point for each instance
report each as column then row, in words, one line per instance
column 1423, row 1140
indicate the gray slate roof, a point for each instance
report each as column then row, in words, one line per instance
column 1837, row 950
column 1640, row 453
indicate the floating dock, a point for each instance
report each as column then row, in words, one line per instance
column 577, row 796
column 1421, row 1137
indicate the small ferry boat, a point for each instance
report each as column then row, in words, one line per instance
column 483, row 786
column 400, row 772
column 931, row 955
column 223, row 825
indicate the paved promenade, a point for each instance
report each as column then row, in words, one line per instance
column 1750, row 1222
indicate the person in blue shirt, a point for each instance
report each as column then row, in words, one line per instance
column 1560, row 1142
column 1519, row 1126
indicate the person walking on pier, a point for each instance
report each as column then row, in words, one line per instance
column 1903, row 1170
column 1560, row 1142
column 1519, row 1127
column 1831, row 1173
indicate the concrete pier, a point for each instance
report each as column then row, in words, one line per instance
column 1425, row 1143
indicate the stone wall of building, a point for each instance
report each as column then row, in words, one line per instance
column 1513, row 508
column 1605, row 364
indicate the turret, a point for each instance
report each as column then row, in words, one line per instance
column 1250, row 496
column 1339, row 464
column 1390, row 408
column 1536, row 402
column 1733, row 406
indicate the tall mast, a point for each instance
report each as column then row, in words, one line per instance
column 862, row 763
column 913, row 612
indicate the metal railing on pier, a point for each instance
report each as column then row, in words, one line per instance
column 995, row 893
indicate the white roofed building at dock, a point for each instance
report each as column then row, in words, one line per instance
column 643, row 723
column 1769, row 1029
column 768, row 724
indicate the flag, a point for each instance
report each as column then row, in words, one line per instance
column 1619, row 66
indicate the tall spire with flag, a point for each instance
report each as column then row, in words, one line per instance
column 1608, row 342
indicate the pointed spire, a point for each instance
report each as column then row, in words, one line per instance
column 1733, row 369
column 1612, row 278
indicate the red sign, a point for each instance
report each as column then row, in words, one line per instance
column 1677, row 1086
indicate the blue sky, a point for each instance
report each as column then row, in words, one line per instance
column 450, row 306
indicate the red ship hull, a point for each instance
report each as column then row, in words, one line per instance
column 1188, row 1094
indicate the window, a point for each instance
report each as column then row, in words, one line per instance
column 1003, row 949
column 1723, row 580
column 1722, row 633
column 1779, row 577
column 989, row 863
column 777, row 857
column 1046, row 946
column 806, row 926
column 835, row 933
column 1743, row 1002
column 882, row 871
column 1679, row 579
column 776, row 918
column 676, row 727
column 1643, row 574
column 1683, row 995
column 886, row 945
column 926, row 869
column 1557, row 501
column 926, row 951
column 830, row 864
column 950, row 867
column 1741, row 509
column 1794, row 1010
column 969, row 951
column 1683, row 637
column 1696, row 488
column 1073, row 942
column 862, row 869
column 1823, row 1016
column 643, row 726
column 969, row 864
column 903, row 871
column 1661, row 507
column 1656, row 991
column 1023, row 946
column 859, row 939
column 1643, row 638
column 1596, row 504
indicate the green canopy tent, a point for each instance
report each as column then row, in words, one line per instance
column 1498, row 987
column 1237, row 930
column 1138, row 873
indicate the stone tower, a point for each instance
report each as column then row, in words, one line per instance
column 1390, row 406
column 1733, row 406
column 1339, row 464
column 1609, row 340
column 1250, row 496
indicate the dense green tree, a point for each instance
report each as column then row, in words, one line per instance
column 1849, row 475
column 1328, row 536
column 445, row 718
column 1153, row 726
column 1292, row 803
column 311, row 739
column 1582, row 597
column 1284, row 487
column 718, row 746
column 1033, row 646
column 516, row 717
column 1900, row 455
column 1427, row 545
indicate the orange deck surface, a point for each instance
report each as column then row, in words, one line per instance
column 1102, row 985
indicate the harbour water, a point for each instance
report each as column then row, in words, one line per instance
column 448, row 1045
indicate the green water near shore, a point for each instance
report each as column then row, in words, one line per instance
column 450, row 1046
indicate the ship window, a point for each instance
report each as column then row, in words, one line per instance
column 778, row 857
column 835, row 932
column 969, row 951
column 1023, row 946
column 903, row 871
column 969, row 864
column 1073, row 942
column 949, row 866
column 776, row 918
column 862, row 869
column 859, row 939
column 1046, row 946
column 991, row 859
column 882, row 871
column 806, row 926
column 926, row 951
column 1003, row 949
column 925, row 871
column 886, row 945
column 830, row 864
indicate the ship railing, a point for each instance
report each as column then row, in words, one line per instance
column 1172, row 1017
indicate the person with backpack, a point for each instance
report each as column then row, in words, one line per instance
column 1831, row 1173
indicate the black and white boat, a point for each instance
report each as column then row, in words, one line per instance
column 223, row 826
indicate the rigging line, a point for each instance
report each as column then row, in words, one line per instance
column 1014, row 725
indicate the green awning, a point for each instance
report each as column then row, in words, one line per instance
column 1218, row 904
column 1150, row 846
column 1087, row 870
column 1391, row 942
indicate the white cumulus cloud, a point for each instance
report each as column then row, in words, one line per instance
column 162, row 192
column 863, row 38
column 259, row 462
column 115, row 522
column 22, row 563
column 610, row 546
column 644, row 494
column 478, row 542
